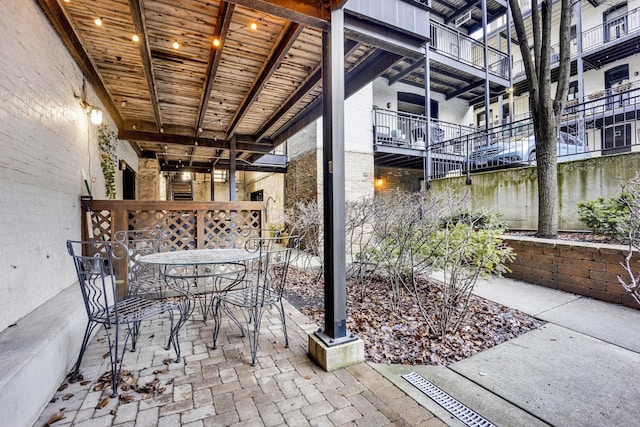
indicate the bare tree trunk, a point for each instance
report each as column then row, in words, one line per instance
column 545, row 110
column 546, row 136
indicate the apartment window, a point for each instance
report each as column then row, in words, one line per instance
column 257, row 196
column 612, row 78
column 616, row 139
column 572, row 93
column 616, row 75
column 615, row 22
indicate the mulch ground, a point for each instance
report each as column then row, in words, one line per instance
column 400, row 335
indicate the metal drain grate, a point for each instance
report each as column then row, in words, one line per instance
column 457, row 409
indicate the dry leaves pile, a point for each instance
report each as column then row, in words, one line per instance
column 399, row 336
column 128, row 383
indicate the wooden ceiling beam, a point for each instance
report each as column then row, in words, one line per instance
column 461, row 11
column 312, row 81
column 205, row 167
column 311, row 13
column 290, row 33
column 244, row 142
column 464, row 89
column 63, row 27
column 137, row 15
column 225, row 13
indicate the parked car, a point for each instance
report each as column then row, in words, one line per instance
column 521, row 150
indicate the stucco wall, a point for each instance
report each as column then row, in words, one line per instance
column 514, row 194
column 46, row 140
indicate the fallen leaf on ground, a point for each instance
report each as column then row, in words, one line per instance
column 55, row 418
column 102, row 403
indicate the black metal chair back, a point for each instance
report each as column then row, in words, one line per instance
column 144, row 278
column 95, row 263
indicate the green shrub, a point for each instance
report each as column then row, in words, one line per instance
column 479, row 250
column 606, row 216
column 480, row 218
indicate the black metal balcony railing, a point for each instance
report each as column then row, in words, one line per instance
column 592, row 39
column 405, row 130
column 610, row 32
column 461, row 47
column 605, row 123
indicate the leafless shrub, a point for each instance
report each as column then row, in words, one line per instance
column 305, row 221
column 402, row 237
column 631, row 198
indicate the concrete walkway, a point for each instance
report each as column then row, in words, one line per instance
column 582, row 368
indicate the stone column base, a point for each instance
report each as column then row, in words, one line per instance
column 338, row 356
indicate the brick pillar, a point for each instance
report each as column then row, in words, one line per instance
column 148, row 179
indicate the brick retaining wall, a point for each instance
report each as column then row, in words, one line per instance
column 587, row 269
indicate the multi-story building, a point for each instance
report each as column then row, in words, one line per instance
column 387, row 120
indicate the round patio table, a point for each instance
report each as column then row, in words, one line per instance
column 202, row 272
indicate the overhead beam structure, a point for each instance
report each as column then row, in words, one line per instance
column 137, row 15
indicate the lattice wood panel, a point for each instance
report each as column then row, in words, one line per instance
column 181, row 224
column 229, row 229
column 101, row 225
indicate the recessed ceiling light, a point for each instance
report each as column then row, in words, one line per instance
column 98, row 22
column 135, row 38
column 216, row 42
column 176, row 45
column 253, row 26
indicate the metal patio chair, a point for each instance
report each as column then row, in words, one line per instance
column 94, row 262
column 144, row 279
column 261, row 288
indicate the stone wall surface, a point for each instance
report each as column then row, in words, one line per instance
column 148, row 179
column 398, row 180
column 301, row 183
column 587, row 269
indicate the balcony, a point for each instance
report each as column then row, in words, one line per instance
column 603, row 123
column 610, row 33
column 602, row 44
column 460, row 47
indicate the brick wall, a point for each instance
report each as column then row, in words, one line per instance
column 582, row 268
column 395, row 179
column 301, row 182
column 46, row 141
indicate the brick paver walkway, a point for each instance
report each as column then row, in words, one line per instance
column 220, row 387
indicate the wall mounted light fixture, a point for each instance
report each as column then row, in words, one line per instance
column 96, row 116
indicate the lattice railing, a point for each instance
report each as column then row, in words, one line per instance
column 192, row 225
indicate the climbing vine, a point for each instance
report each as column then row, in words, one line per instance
column 107, row 141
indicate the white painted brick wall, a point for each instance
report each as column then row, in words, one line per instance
column 45, row 141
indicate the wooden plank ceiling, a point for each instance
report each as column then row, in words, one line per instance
column 177, row 95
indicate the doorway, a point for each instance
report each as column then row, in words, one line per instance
column 128, row 184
